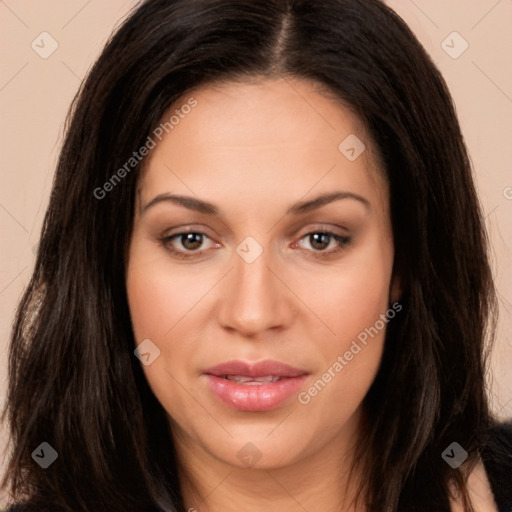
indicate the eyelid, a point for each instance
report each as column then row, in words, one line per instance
column 186, row 228
column 325, row 227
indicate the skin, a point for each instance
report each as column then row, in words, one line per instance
column 253, row 150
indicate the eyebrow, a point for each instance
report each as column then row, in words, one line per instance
column 301, row 207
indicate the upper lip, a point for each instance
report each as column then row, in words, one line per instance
column 256, row 369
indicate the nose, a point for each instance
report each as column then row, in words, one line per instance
column 254, row 298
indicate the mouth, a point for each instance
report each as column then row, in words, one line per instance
column 261, row 386
column 251, row 381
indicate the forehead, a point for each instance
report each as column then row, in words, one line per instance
column 259, row 140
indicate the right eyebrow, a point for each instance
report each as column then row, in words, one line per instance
column 188, row 202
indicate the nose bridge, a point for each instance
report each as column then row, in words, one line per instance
column 254, row 299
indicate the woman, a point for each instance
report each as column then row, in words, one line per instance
column 262, row 281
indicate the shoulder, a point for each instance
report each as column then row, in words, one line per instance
column 497, row 460
column 489, row 484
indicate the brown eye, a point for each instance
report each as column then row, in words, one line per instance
column 191, row 241
column 189, row 244
column 321, row 240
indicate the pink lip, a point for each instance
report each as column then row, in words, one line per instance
column 259, row 397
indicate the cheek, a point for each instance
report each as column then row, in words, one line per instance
column 155, row 309
column 354, row 303
column 159, row 294
column 164, row 302
column 350, row 298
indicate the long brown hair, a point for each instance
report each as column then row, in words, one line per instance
column 73, row 380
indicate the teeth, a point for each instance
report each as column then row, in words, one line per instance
column 251, row 381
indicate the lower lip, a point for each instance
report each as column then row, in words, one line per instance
column 255, row 397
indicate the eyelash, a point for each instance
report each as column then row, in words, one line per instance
column 342, row 240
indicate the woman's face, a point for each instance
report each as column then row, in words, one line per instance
column 261, row 269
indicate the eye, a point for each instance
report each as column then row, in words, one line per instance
column 191, row 244
column 186, row 244
column 324, row 241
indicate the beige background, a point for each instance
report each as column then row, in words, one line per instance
column 35, row 94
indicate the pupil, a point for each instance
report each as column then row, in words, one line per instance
column 319, row 240
column 191, row 240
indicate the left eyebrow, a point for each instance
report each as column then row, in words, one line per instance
column 323, row 199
